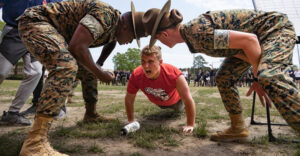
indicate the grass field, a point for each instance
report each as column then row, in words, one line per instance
column 160, row 132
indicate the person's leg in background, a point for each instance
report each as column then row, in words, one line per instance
column 89, row 85
column 33, row 72
column 70, row 97
column 36, row 95
column 5, row 68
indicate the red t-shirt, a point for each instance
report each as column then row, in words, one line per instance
column 161, row 91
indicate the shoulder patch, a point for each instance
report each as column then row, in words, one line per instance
column 221, row 39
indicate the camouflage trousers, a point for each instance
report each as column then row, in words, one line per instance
column 276, row 60
column 51, row 49
column 89, row 84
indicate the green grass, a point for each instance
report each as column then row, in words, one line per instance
column 95, row 149
column 297, row 153
column 155, row 132
column 201, row 130
column 260, row 140
column 11, row 142
column 152, row 136
column 90, row 130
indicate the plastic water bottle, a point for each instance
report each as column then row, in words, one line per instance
column 132, row 127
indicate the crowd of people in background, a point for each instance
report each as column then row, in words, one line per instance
column 207, row 77
column 201, row 77
column 121, row 78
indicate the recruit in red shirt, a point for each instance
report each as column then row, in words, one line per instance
column 161, row 91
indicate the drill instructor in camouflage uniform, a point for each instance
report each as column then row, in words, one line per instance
column 263, row 40
column 59, row 36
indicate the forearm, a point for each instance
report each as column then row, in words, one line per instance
column 106, row 51
column 253, row 54
column 249, row 44
column 186, row 97
column 79, row 47
column 242, row 57
column 129, row 106
column 84, row 57
column 190, row 111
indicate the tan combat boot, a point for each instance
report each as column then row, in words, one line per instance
column 36, row 143
column 91, row 115
column 236, row 132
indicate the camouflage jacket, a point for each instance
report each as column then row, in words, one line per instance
column 100, row 18
column 200, row 33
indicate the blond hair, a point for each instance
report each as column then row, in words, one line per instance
column 154, row 50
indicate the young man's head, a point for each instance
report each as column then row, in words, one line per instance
column 151, row 60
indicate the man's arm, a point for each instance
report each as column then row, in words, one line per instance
column 186, row 97
column 107, row 49
column 129, row 105
column 252, row 52
column 79, row 47
column 249, row 44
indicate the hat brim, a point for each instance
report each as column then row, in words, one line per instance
column 162, row 12
column 133, row 23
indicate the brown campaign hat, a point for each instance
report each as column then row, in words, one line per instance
column 156, row 20
column 139, row 26
column 162, row 12
column 137, row 23
column 153, row 20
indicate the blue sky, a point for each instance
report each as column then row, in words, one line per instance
column 179, row 55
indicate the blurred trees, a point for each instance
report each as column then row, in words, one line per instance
column 128, row 60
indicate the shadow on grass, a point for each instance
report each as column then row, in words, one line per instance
column 90, row 130
column 154, row 136
column 11, row 143
column 148, row 136
column 67, row 139
column 162, row 115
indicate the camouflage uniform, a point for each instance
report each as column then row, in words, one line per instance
column 89, row 85
column 46, row 32
column 277, row 38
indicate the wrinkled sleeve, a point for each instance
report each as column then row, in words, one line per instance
column 221, row 39
column 100, row 18
column 94, row 26
column 132, row 87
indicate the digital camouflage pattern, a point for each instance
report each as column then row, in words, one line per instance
column 199, row 33
column 46, row 32
column 65, row 16
column 277, row 39
column 89, row 83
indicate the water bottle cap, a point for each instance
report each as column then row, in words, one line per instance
column 123, row 131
